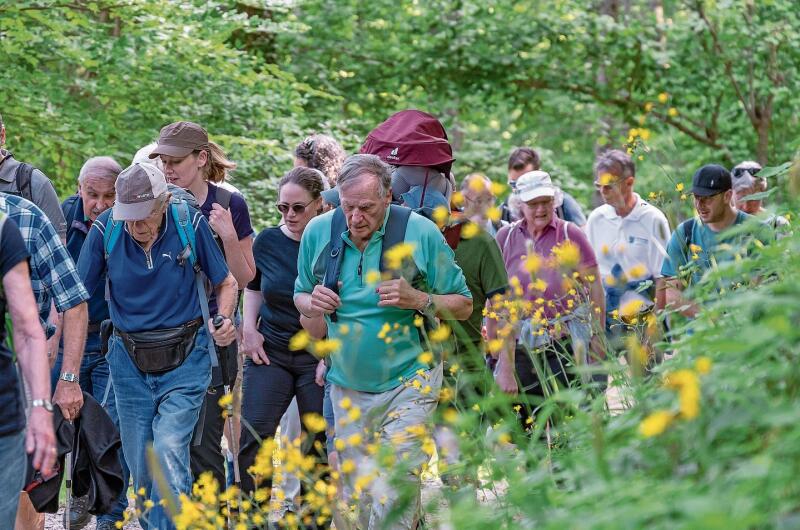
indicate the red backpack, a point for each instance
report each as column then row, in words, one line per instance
column 411, row 138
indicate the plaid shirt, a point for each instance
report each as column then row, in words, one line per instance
column 53, row 273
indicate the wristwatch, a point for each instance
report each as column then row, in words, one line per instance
column 69, row 377
column 428, row 304
column 42, row 403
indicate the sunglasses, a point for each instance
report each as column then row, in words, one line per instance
column 739, row 172
column 297, row 208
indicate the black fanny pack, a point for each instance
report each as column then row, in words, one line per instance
column 161, row 350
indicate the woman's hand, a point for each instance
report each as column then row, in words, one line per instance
column 222, row 223
column 254, row 346
column 319, row 376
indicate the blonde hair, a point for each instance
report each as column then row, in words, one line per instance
column 217, row 165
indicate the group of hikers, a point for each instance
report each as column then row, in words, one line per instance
column 133, row 295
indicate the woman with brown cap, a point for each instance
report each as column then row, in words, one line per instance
column 192, row 162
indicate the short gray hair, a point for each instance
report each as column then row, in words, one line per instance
column 356, row 165
column 615, row 161
column 103, row 167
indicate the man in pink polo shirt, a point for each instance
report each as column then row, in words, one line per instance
column 553, row 270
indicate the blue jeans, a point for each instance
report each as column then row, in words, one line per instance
column 159, row 410
column 94, row 379
column 13, row 465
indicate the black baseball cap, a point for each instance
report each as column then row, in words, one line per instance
column 711, row 179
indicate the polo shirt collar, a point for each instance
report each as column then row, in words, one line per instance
column 378, row 233
column 610, row 213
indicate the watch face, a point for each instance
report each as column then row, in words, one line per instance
column 71, row 378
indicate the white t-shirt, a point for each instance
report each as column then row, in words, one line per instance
column 636, row 242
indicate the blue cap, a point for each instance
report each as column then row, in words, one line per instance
column 331, row 196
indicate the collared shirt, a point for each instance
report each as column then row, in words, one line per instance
column 516, row 243
column 380, row 345
column 77, row 230
column 43, row 194
column 154, row 289
column 53, row 273
column 629, row 249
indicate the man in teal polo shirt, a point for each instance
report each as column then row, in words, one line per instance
column 382, row 381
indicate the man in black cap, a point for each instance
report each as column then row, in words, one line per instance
column 695, row 244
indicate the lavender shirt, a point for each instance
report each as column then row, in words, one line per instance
column 514, row 241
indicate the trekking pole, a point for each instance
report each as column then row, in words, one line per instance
column 237, row 479
column 68, row 487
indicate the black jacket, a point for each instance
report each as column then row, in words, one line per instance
column 96, row 466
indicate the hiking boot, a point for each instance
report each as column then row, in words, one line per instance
column 105, row 524
column 78, row 513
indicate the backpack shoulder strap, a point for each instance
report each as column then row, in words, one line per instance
column 224, row 197
column 23, row 177
column 566, row 230
column 113, row 230
column 395, row 232
column 179, row 211
column 338, row 226
column 335, row 254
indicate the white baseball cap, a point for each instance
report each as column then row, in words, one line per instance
column 535, row 184
column 138, row 187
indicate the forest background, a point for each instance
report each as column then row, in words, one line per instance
column 683, row 82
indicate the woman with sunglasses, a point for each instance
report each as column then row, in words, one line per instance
column 273, row 374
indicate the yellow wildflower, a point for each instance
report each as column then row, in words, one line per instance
column 663, row 97
column 470, row 230
column 440, row 334
column 679, row 186
column 672, row 112
column 637, row 271
column 703, row 365
column 457, row 198
column 314, row 422
column 339, row 444
column 539, row 285
column 225, row 400
column 425, row 357
column 373, row 276
column 345, row 403
column 440, row 215
column 493, row 214
column 648, row 107
column 450, row 416
column 631, row 309
column 324, row 347
column 567, row 254
column 398, row 253
column 688, row 387
column 656, row 423
column 606, row 179
column 354, row 413
column 532, row 263
column 495, row 345
column 355, row 440
column 497, row 188
column 300, row 341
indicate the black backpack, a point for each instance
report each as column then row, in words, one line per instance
column 23, row 177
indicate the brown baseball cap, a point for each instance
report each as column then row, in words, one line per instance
column 179, row 139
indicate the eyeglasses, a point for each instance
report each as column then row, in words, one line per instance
column 297, row 208
column 739, row 172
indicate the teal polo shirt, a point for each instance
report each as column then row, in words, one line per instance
column 374, row 358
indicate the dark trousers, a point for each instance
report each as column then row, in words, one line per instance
column 553, row 362
column 207, row 456
column 267, row 391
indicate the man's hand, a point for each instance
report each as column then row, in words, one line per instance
column 222, row 223
column 399, row 293
column 69, row 398
column 323, row 301
column 40, row 440
column 254, row 346
column 226, row 333
column 319, row 375
column 506, row 380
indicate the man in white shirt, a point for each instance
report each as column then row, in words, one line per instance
column 629, row 237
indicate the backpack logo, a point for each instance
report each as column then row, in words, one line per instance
column 393, row 154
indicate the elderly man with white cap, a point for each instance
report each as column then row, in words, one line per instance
column 553, row 269
column 158, row 355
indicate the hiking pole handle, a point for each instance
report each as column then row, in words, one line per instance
column 218, row 321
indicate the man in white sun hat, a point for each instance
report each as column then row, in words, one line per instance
column 158, row 354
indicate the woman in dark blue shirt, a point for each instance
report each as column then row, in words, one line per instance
column 273, row 374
